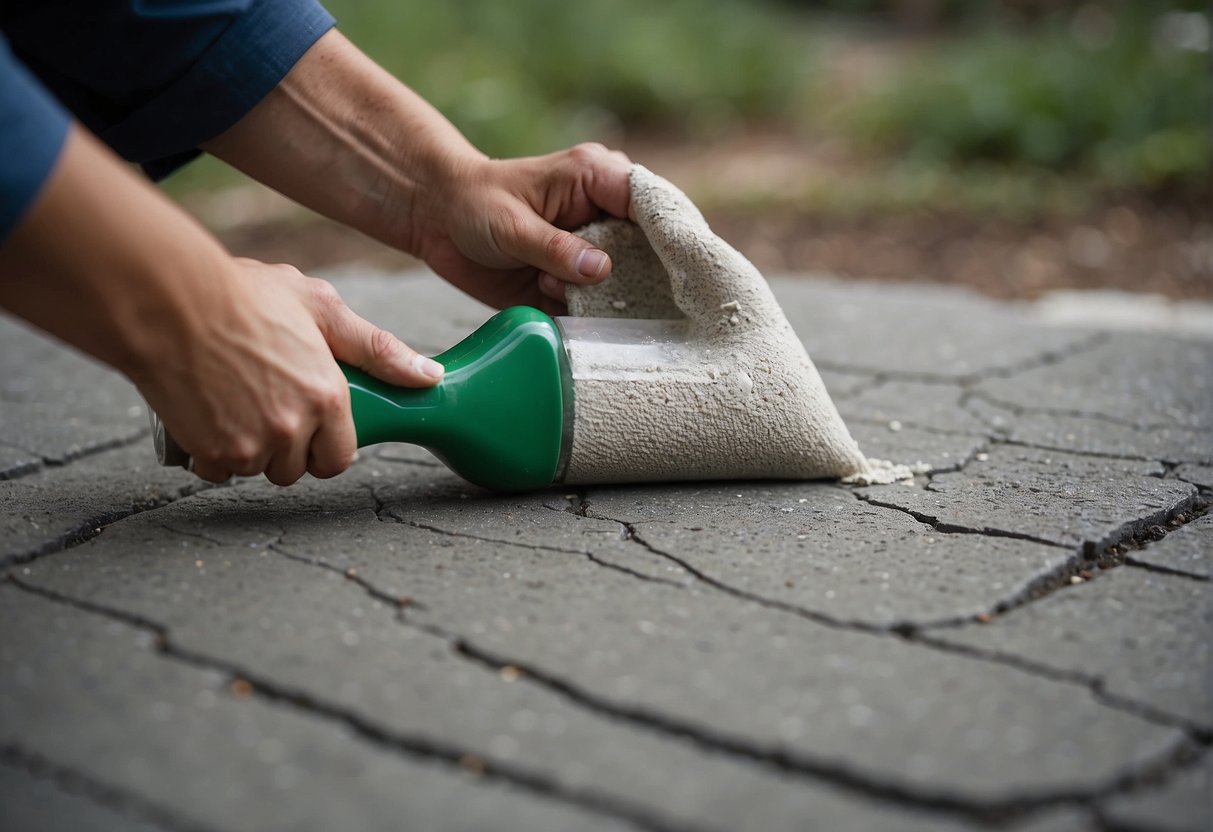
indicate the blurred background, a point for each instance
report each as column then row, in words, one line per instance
column 1014, row 146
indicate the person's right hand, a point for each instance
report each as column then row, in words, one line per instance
column 249, row 384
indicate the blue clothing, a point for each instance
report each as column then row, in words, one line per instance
column 152, row 78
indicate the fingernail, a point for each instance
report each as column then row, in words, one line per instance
column 550, row 284
column 591, row 262
column 428, row 367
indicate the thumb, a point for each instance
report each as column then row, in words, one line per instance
column 358, row 342
column 559, row 253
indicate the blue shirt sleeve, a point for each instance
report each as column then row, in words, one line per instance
column 156, row 78
column 33, row 127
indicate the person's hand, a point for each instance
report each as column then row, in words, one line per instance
column 249, row 384
column 369, row 152
column 500, row 229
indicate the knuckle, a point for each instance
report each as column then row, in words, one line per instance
column 332, row 398
column 558, row 246
column 324, row 293
column 385, row 345
column 242, row 454
column 282, row 427
column 588, row 152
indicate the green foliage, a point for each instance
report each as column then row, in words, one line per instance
column 1121, row 108
column 535, row 75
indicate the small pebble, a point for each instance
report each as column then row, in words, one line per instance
column 1076, row 579
column 509, row 673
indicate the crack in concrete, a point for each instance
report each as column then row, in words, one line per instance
column 1164, row 570
column 392, row 599
column 1046, row 584
column 424, row 748
column 1097, row 416
column 75, row 455
column 1046, row 358
column 83, row 784
column 96, row 524
column 952, row 528
column 588, row 555
column 835, row 772
column 998, row 811
column 1201, row 735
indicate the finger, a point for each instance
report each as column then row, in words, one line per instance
column 552, row 288
column 606, row 177
column 333, row 448
column 210, row 471
column 289, row 464
column 358, row 342
column 558, row 253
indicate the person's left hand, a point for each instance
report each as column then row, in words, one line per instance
column 500, row 229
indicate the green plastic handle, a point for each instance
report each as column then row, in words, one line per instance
column 501, row 416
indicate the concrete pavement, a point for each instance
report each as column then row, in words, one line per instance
column 1018, row 639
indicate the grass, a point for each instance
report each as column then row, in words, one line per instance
column 1115, row 104
column 993, row 120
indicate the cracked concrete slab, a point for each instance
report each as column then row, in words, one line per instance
column 1048, row 496
column 724, row 655
column 320, row 634
column 848, row 699
column 1184, row 804
column 818, row 549
column 17, row 462
column 46, row 509
column 1143, row 634
column 1099, row 436
column 1144, row 381
column 933, row 407
column 211, row 755
column 1200, row 475
column 67, row 407
column 916, row 447
column 37, row 803
column 1188, row 549
column 938, row 332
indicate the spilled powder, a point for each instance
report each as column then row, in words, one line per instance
column 703, row 376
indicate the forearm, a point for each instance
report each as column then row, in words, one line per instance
column 345, row 138
column 90, row 261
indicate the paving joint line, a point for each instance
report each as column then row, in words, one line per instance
column 418, row 747
column 833, row 772
column 45, row 463
column 95, row 790
column 96, row 524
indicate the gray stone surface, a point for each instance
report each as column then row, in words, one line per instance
column 16, row 462
column 56, row 405
column 916, row 447
column 63, row 503
column 938, row 332
column 1146, row 381
column 94, row 694
column 934, row 407
column 607, row 634
column 818, row 549
column 1183, row 804
column 29, row 802
column 1144, row 634
column 1188, row 549
column 738, row 655
column 1201, row 475
column 319, row 634
column 1045, row 495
